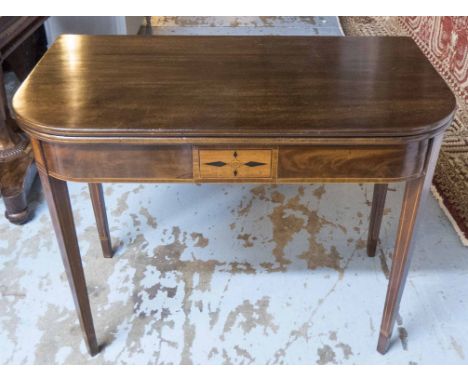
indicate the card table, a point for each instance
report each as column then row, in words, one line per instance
column 254, row 109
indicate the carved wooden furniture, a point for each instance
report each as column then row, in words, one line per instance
column 22, row 43
column 234, row 109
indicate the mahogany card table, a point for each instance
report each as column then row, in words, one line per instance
column 256, row 109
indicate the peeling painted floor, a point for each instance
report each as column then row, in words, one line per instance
column 232, row 274
column 246, row 25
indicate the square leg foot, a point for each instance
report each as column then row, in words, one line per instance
column 371, row 248
column 384, row 343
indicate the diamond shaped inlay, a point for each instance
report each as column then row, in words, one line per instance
column 254, row 164
column 216, row 164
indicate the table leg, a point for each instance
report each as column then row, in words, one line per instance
column 378, row 204
column 416, row 191
column 97, row 198
column 56, row 193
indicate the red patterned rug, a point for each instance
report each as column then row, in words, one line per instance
column 444, row 40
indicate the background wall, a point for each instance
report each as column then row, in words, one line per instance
column 57, row 25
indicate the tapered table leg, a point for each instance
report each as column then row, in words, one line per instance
column 97, row 198
column 56, row 193
column 378, row 204
column 416, row 191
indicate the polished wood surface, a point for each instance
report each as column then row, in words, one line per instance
column 352, row 162
column 97, row 198
column 235, row 109
column 182, row 86
column 119, row 162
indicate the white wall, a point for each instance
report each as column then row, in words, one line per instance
column 57, row 25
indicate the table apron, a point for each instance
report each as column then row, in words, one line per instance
column 243, row 163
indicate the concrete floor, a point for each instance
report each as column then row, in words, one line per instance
column 246, row 25
column 233, row 274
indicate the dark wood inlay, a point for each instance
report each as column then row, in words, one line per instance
column 254, row 164
column 216, row 164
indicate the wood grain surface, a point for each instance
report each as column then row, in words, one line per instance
column 392, row 162
column 94, row 86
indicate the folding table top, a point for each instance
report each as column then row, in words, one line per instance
column 224, row 86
